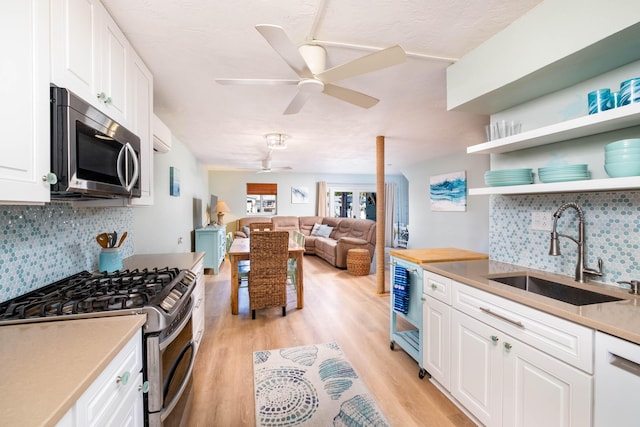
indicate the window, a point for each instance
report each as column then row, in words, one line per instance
column 341, row 199
column 262, row 199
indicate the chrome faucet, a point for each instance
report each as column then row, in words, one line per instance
column 554, row 248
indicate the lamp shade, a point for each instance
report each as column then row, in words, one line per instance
column 221, row 206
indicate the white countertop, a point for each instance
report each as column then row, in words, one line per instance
column 45, row 367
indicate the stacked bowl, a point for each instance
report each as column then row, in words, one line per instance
column 563, row 173
column 504, row 177
column 622, row 158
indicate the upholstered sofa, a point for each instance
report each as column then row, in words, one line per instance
column 344, row 234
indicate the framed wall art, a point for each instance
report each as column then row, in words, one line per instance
column 299, row 194
column 448, row 192
column 174, row 181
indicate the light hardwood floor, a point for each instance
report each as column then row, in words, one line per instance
column 338, row 307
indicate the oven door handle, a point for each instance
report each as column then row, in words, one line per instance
column 165, row 388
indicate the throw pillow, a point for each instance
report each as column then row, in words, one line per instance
column 325, row 230
column 316, row 229
column 245, row 230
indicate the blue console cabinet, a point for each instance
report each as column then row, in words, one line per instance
column 212, row 241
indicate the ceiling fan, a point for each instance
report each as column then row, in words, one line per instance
column 266, row 166
column 308, row 62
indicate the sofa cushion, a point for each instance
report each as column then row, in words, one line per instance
column 326, row 249
column 333, row 222
column 306, row 223
column 321, row 230
column 285, row 223
column 352, row 240
column 315, row 231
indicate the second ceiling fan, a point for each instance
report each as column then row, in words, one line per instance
column 308, row 62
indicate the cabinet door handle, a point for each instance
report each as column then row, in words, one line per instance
column 144, row 387
column 434, row 286
column 507, row 346
column 123, row 379
column 494, row 338
column 501, row 317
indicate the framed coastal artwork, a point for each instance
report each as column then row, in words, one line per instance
column 448, row 192
column 299, row 194
column 174, row 181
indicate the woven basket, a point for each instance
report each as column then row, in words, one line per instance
column 358, row 262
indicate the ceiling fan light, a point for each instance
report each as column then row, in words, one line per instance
column 276, row 141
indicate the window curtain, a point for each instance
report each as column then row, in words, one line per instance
column 389, row 212
column 322, row 198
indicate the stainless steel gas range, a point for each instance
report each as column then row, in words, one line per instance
column 164, row 295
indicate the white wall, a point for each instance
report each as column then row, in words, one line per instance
column 464, row 230
column 159, row 228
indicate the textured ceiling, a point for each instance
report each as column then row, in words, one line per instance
column 188, row 43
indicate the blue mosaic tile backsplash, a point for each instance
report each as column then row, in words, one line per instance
column 43, row 244
column 612, row 232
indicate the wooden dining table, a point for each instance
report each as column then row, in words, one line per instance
column 239, row 251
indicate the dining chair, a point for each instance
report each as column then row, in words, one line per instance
column 260, row 226
column 292, row 268
column 268, row 255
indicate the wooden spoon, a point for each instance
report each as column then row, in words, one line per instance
column 124, row 236
column 103, row 240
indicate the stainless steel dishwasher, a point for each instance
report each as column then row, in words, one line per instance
column 617, row 382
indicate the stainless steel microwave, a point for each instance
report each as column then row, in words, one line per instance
column 92, row 155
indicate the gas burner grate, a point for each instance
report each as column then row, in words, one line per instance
column 92, row 293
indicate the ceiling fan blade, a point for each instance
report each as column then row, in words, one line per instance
column 373, row 62
column 297, row 102
column 269, row 82
column 350, row 96
column 280, row 42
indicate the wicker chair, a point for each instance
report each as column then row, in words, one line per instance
column 268, row 255
column 260, row 226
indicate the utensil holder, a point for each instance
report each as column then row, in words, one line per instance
column 110, row 260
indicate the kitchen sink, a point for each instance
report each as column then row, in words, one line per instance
column 557, row 291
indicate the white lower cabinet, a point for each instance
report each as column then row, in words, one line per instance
column 540, row 390
column 507, row 364
column 504, row 382
column 476, row 369
column 115, row 397
column 197, row 319
column 436, row 354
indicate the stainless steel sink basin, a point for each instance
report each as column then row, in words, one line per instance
column 557, row 291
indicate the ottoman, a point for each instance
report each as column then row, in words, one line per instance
column 358, row 262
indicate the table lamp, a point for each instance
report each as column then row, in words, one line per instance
column 221, row 208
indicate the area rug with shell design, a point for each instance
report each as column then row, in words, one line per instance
column 312, row 385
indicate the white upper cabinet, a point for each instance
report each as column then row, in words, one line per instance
column 89, row 55
column 141, row 103
column 24, row 145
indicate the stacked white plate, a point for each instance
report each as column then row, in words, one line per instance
column 564, row 173
column 499, row 178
